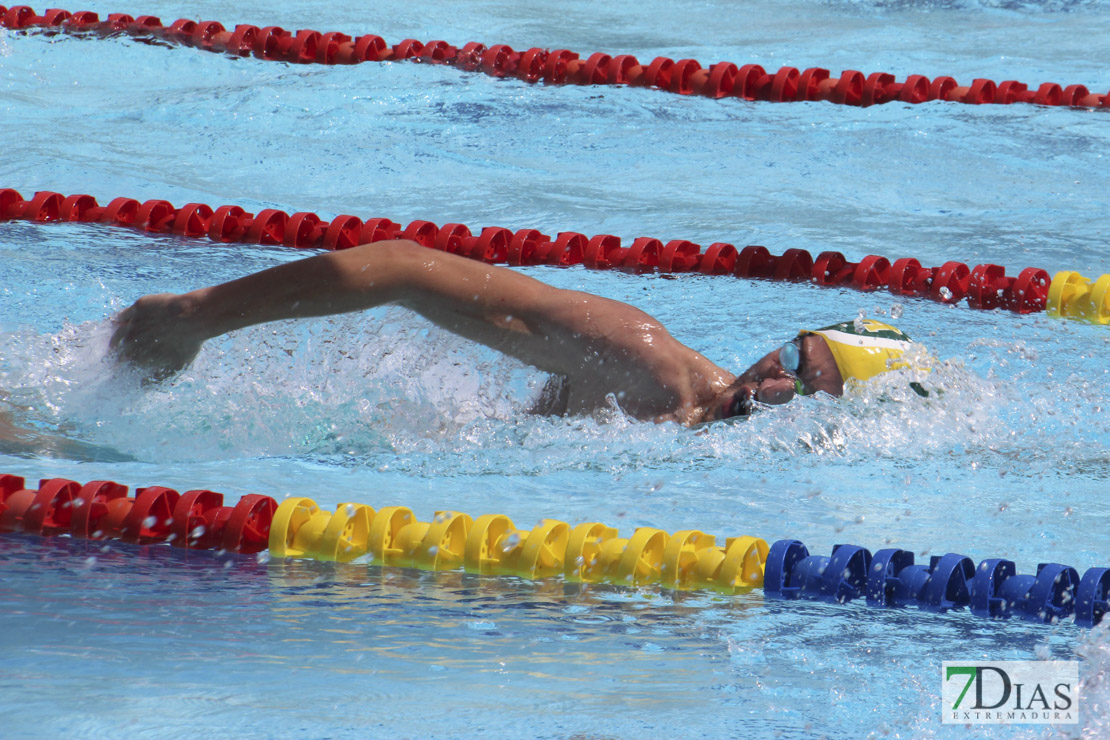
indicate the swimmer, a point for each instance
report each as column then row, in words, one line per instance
column 596, row 347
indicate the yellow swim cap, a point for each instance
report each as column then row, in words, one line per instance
column 864, row 348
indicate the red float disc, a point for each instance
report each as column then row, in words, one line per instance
column 242, row 40
column 530, row 68
column 720, row 81
column 1048, row 93
column 437, row 52
column 266, row 44
column 370, row 48
column 827, row 268
column 304, row 47
column 784, row 85
column 904, row 276
column 658, row 73
column 192, row 220
column 151, row 516
column 45, row 206
column 1030, row 291
column 795, row 265
column 343, row 232
column 915, row 89
column 809, row 82
column 602, row 252
column 226, row 224
column 940, row 88
column 192, row 517
column 470, row 56
column 620, row 69
column 1073, row 94
column 750, row 81
column 492, row 245
column 875, row 89
column 567, row 249
column 950, row 282
column 848, row 89
column 523, row 247
column 74, row 208
column 421, row 232
column 872, row 272
column 155, row 216
column 302, row 231
column 555, row 68
column 753, row 262
column 181, row 31
column 11, row 204
column 681, row 74
column 268, row 227
column 51, row 511
column 981, row 92
column 205, row 32
column 121, row 211
column 54, row 16
column 248, row 527
column 643, row 255
column 596, row 70
column 407, row 49
column 379, row 229
column 679, row 255
column 327, row 48
column 82, row 18
column 450, row 238
column 91, row 505
column 147, row 22
column 983, row 286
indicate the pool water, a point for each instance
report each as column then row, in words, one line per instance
column 1008, row 459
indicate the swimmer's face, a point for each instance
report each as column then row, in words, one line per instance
column 768, row 382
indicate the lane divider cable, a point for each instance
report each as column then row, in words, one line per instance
column 560, row 66
column 984, row 287
column 590, row 552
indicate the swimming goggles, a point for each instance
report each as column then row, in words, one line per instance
column 790, row 359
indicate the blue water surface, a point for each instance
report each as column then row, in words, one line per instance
column 1008, row 459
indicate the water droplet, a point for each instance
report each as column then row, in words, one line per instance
column 1068, row 511
column 263, row 557
column 149, row 522
column 510, row 542
column 198, row 532
column 90, row 561
column 896, row 311
column 945, row 293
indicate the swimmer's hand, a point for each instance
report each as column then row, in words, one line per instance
column 157, row 334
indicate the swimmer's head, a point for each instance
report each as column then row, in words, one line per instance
column 828, row 359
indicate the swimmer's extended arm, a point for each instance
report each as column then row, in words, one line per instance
column 542, row 325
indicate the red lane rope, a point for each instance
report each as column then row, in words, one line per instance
column 99, row 510
column 984, row 286
column 560, row 66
